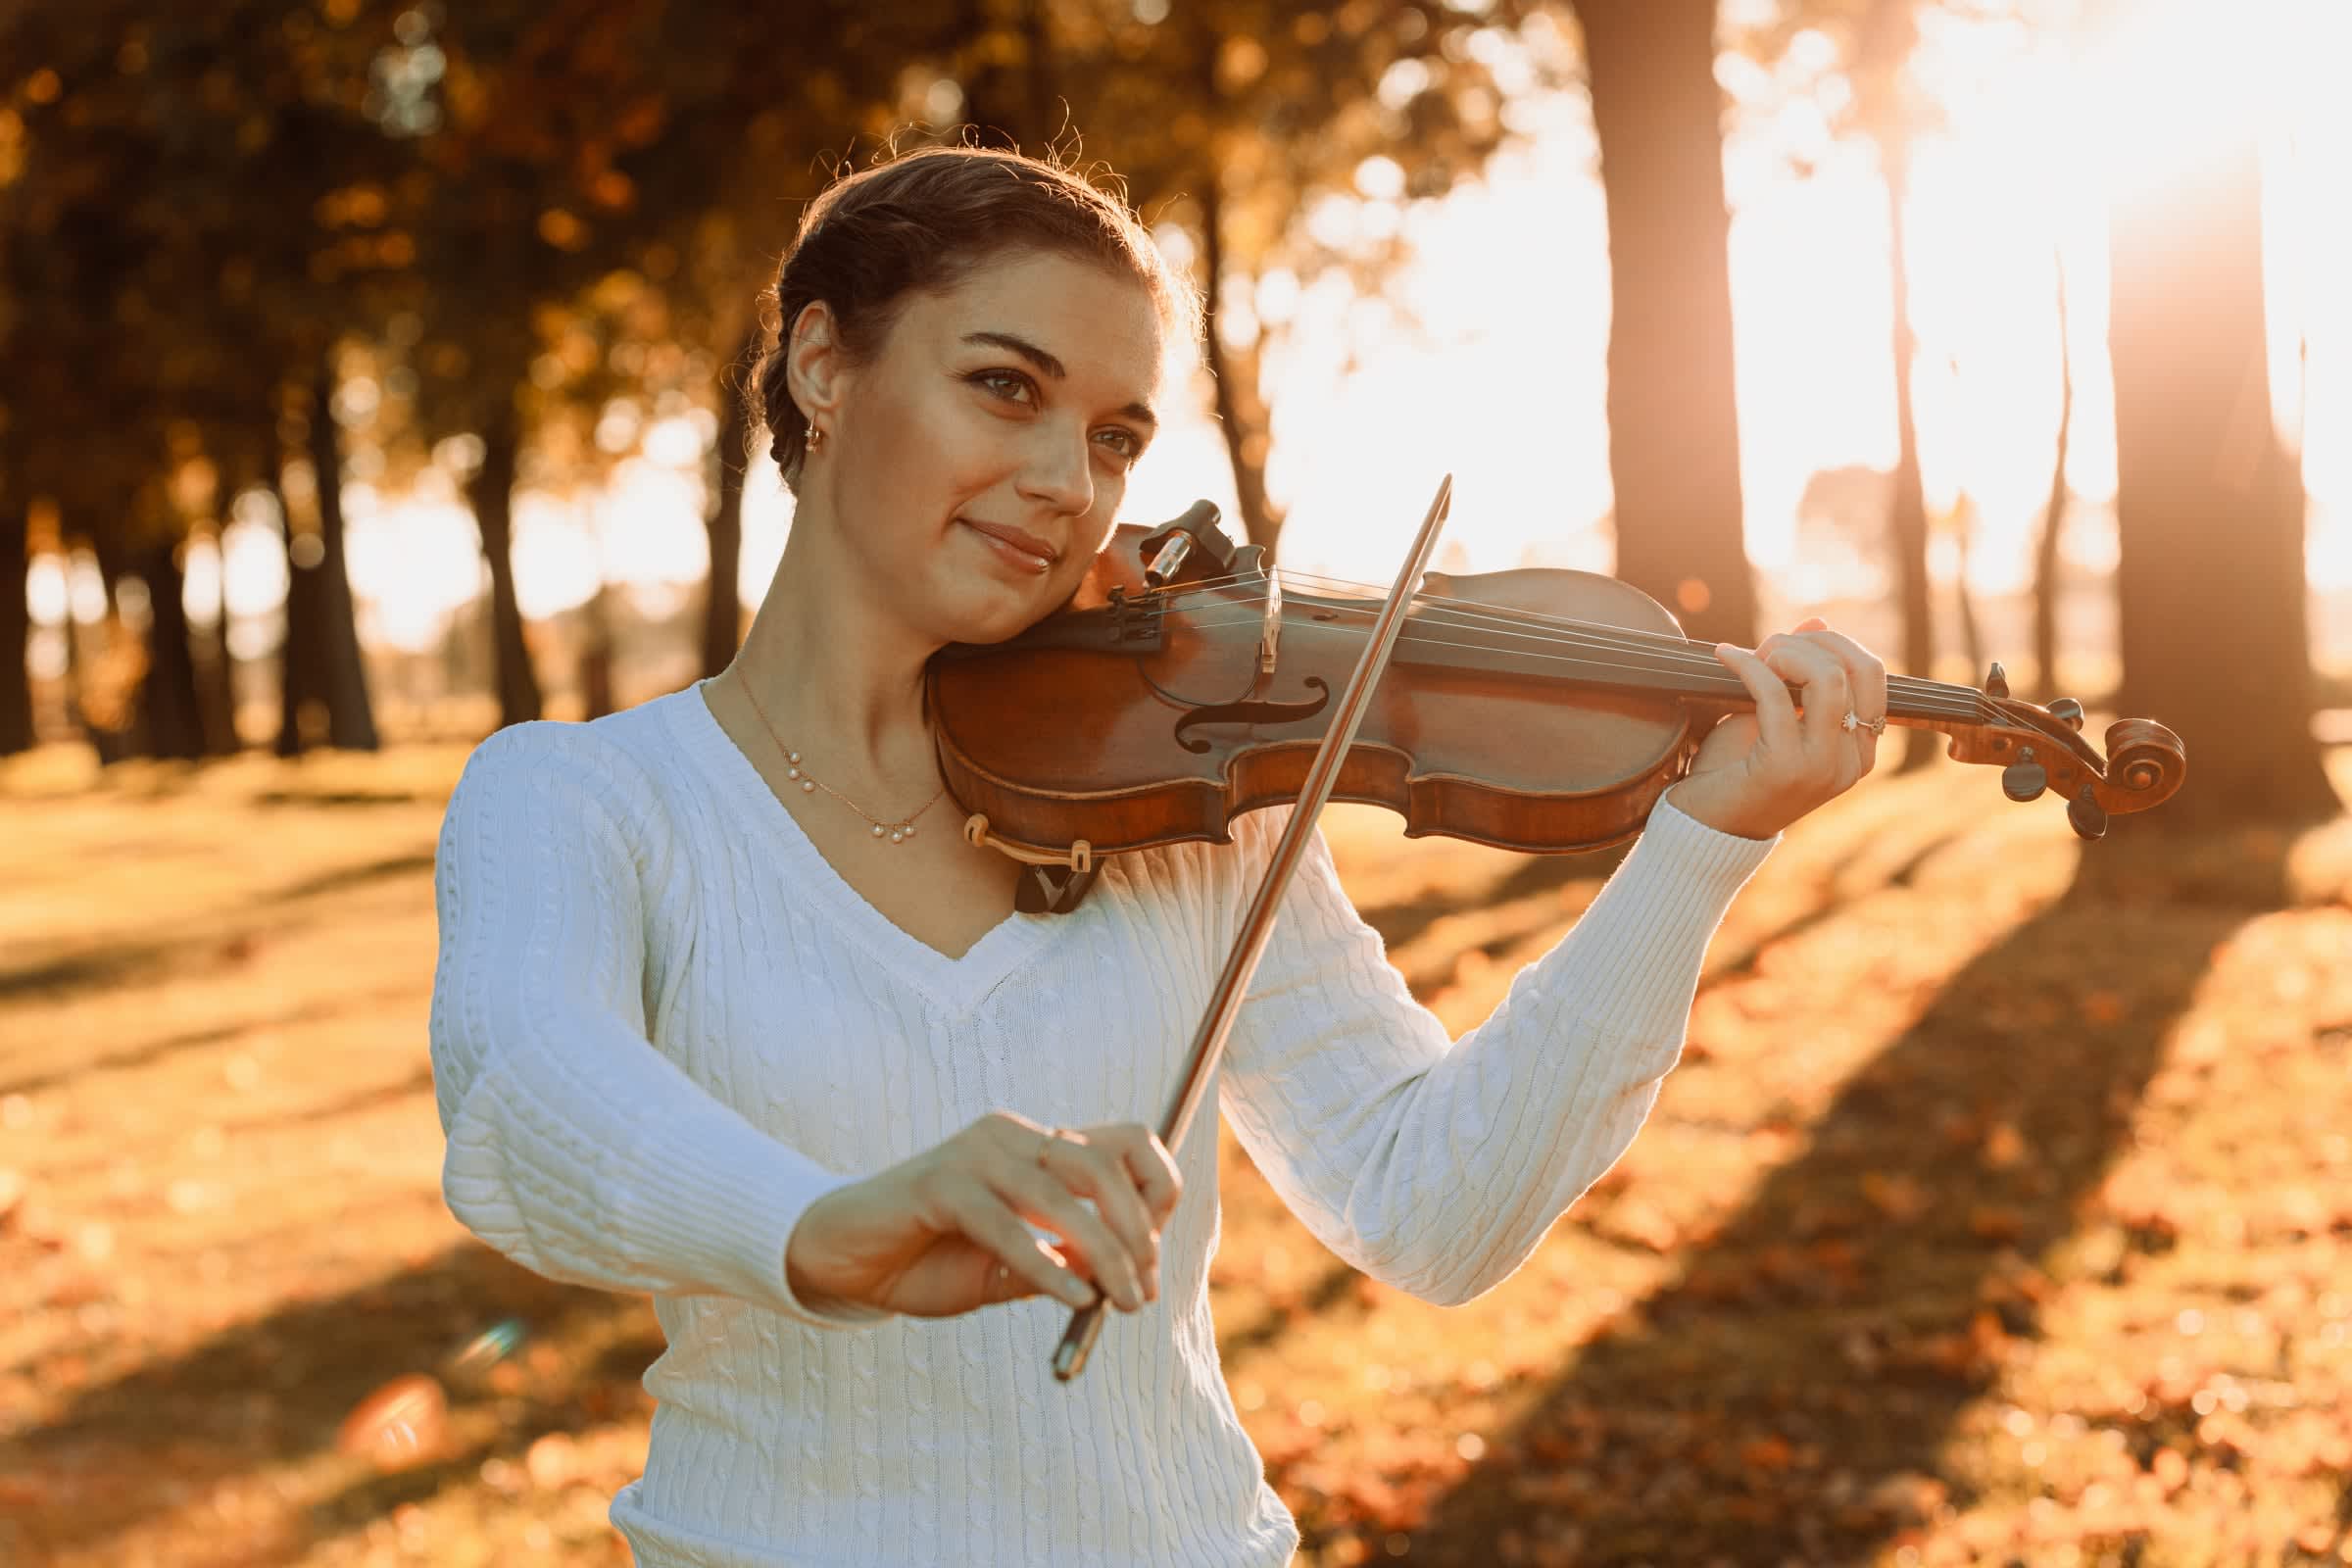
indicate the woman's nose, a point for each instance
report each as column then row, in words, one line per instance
column 1058, row 473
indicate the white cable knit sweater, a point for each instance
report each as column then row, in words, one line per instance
column 662, row 1026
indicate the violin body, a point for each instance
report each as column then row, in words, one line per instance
column 1537, row 710
column 1169, row 745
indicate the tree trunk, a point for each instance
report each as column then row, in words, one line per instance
column 722, row 595
column 77, row 656
column 15, row 611
column 491, row 492
column 168, row 696
column 2053, row 516
column 216, row 678
column 117, row 721
column 1674, row 432
column 1971, row 633
column 1011, row 90
column 1241, row 415
column 302, row 650
column 1042, row 120
column 1907, row 503
column 595, row 654
column 350, row 716
column 2209, row 505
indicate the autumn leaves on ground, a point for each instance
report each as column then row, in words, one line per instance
column 2001, row 1209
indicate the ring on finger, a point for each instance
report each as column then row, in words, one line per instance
column 1853, row 721
column 1046, row 1145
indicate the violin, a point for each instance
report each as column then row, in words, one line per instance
column 1543, row 709
column 1187, row 681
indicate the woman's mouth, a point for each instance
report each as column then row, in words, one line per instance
column 1018, row 548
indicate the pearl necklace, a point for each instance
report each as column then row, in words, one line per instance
column 897, row 832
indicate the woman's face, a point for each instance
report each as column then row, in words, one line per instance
column 978, row 460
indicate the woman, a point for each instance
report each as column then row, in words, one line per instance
column 727, row 1012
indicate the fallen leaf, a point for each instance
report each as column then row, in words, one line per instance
column 2004, row 1146
column 402, row 1423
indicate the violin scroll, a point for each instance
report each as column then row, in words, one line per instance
column 2145, row 764
column 2040, row 749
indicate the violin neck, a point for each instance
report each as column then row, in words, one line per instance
column 1617, row 658
column 1910, row 700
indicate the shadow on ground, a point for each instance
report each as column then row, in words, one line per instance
column 191, row 942
column 1820, row 1344
column 274, row 1391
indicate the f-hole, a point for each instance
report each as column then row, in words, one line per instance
column 1252, row 714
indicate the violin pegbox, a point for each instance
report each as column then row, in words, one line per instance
column 2039, row 749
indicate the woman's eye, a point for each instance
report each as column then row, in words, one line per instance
column 1010, row 386
column 1125, row 443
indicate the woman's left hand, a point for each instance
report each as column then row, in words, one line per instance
column 1756, row 773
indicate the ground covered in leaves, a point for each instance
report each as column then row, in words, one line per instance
column 2001, row 1211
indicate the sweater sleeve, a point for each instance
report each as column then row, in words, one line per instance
column 1436, row 1167
column 575, row 1147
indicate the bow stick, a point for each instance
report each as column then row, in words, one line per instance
column 1208, row 1041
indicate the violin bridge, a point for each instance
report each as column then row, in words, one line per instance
column 1270, row 634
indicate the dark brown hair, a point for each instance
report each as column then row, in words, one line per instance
column 922, row 222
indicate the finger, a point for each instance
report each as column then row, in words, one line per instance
column 1147, row 1160
column 1866, row 679
column 1866, row 675
column 1001, row 1283
column 1041, row 1198
column 1099, row 1173
column 1821, row 683
column 1776, row 713
column 991, row 1223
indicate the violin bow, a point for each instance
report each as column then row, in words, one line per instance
column 1208, row 1041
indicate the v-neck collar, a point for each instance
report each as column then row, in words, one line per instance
column 958, row 985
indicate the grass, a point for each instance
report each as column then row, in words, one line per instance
column 2001, row 1210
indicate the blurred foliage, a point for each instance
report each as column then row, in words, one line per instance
column 532, row 209
column 1233, row 121
column 172, row 261
column 513, row 214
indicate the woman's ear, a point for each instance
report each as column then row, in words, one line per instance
column 814, row 366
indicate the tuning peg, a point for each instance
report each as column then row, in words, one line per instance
column 1997, row 681
column 2024, row 781
column 2086, row 815
column 2066, row 711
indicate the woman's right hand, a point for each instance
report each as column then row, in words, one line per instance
column 948, row 1230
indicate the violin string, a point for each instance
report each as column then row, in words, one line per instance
column 1664, row 642
column 1699, row 652
column 1699, row 656
column 1924, row 698
column 1171, row 597
column 1927, row 698
column 1921, row 698
column 1721, row 680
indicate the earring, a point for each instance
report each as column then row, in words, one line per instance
column 814, row 436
